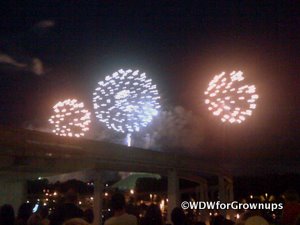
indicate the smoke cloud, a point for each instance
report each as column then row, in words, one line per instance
column 35, row 66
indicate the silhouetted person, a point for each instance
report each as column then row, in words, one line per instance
column 44, row 213
column 76, row 221
column 88, row 215
column 153, row 216
column 24, row 213
column 291, row 208
column 7, row 215
column 40, row 217
column 218, row 220
column 178, row 216
column 67, row 210
column 200, row 223
column 297, row 222
column 120, row 216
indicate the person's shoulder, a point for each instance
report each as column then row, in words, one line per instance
column 109, row 221
column 132, row 218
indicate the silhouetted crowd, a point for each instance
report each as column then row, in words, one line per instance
column 69, row 213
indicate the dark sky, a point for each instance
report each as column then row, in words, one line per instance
column 182, row 44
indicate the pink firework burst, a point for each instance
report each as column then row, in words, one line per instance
column 230, row 98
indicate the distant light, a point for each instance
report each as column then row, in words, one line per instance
column 132, row 191
column 79, row 202
column 237, row 216
column 251, row 196
column 162, row 205
column 105, row 194
column 229, row 98
column 70, row 118
column 126, row 101
column 40, row 178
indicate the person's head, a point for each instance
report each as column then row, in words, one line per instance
column 297, row 222
column 153, row 215
column 71, row 196
column 118, row 202
column 218, row 220
column 25, row 211
column 200, row 223
column 255, row 220
column 43, row 212
column 88, row 215
column 291, row 196
column 178, row 216
column 76, row 221
column 7, row 215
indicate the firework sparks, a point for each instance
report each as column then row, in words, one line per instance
column 126, row 101
column 70, row 118
column 229, row 98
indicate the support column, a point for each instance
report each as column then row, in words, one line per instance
column 222, row 193
column 13, row 193
column 173, row 192
column 98, row 200
column 229, row 196
column 204, row 197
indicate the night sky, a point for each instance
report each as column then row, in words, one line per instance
column 181, row 44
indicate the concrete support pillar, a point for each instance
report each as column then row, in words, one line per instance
column 222, row 192
column 173, row 192
column 222, row 189
column 230, row 192
column 226, row 194
column 204, row 197
column 13, row 193
column 98, row 200
column 229, row 196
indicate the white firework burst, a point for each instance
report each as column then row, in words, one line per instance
column 230, row 98
column 126, row 101
column 70, row 118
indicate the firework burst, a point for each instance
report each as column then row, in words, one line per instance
column 126, row 101
column 229, row 98
column 70, row 118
